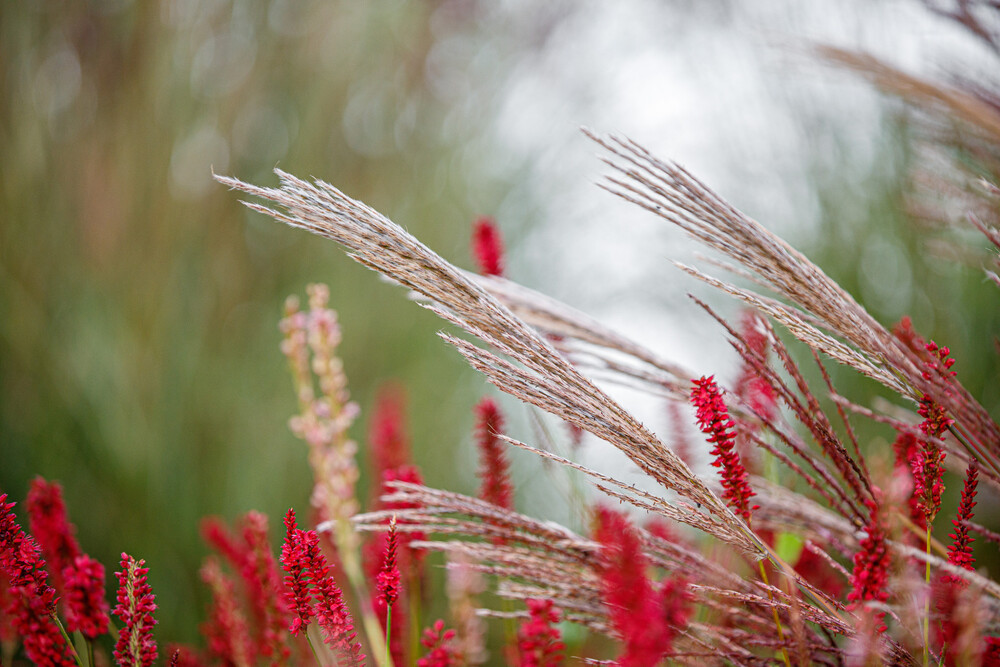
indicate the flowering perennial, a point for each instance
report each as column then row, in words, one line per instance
column 136, row 604
column 960, row 549
column 487, row 246
column 539, row 642
column 493, row 467
column 714, row 421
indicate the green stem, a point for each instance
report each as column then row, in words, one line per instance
column 69, row 642
column 388, row 633
column 927, row 601
column 777, row 619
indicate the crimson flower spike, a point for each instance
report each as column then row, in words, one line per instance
column 33, row 602
column 388, row 577
column 487, row 246
column 644, row 618
column 136, row 604
column 293, row 560
column 493, row 466
column 538, row 640
column 714, row 421
column 49, row 523
column 960, row 550
column 86, row 608
column 871, row 566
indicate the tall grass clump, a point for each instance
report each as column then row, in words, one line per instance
column 803, row 543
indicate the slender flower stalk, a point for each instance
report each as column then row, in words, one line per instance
column 487, row 246
column 714, row 421
column 136, row 604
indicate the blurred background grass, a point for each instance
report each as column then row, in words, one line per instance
column 139, row 359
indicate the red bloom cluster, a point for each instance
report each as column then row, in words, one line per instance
column 50, row 525
column 940, row 362
column 906, row 448
column 32, row 602
column 226, row 630
column 714, row 421
column 249, row 554
column 387, row 433
column 646, row 619
column 86, row 608
column 305, row 563
column 487, row 246
column 960, row 550
column 538, row 640
column 753, row 389
column 135, row 608
column 871, row 564
column 388, row 577
column 493, row 467
column 440, row 647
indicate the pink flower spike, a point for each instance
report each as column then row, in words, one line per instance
column 388, row 578
column 86, row 608
column 487, row 246
column 714, row 421
column 293, row 560
column 50, row 525
column 332, row 615
column 387, row 432
column 493, row 467
column 136, row 604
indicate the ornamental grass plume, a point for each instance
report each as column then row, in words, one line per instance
column 136, row 604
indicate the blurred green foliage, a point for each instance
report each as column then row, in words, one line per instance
column 139, row 360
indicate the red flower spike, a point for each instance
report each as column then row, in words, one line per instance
column 388, row 577
column 226, row 630
column 440, row 647
column 86, row 608
column 32, row 601
column 960, row 550
column 50, row 525
column 135, row 608
column 493, row 467
column 20, row 556
column 487, row 246
column 387, row 431
column 293, row 560
column 641, row 616
column 263, row 583
column 753, row 389
column 539, row 642
column 32, row 611
column 871, row 565
column 714, row 421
